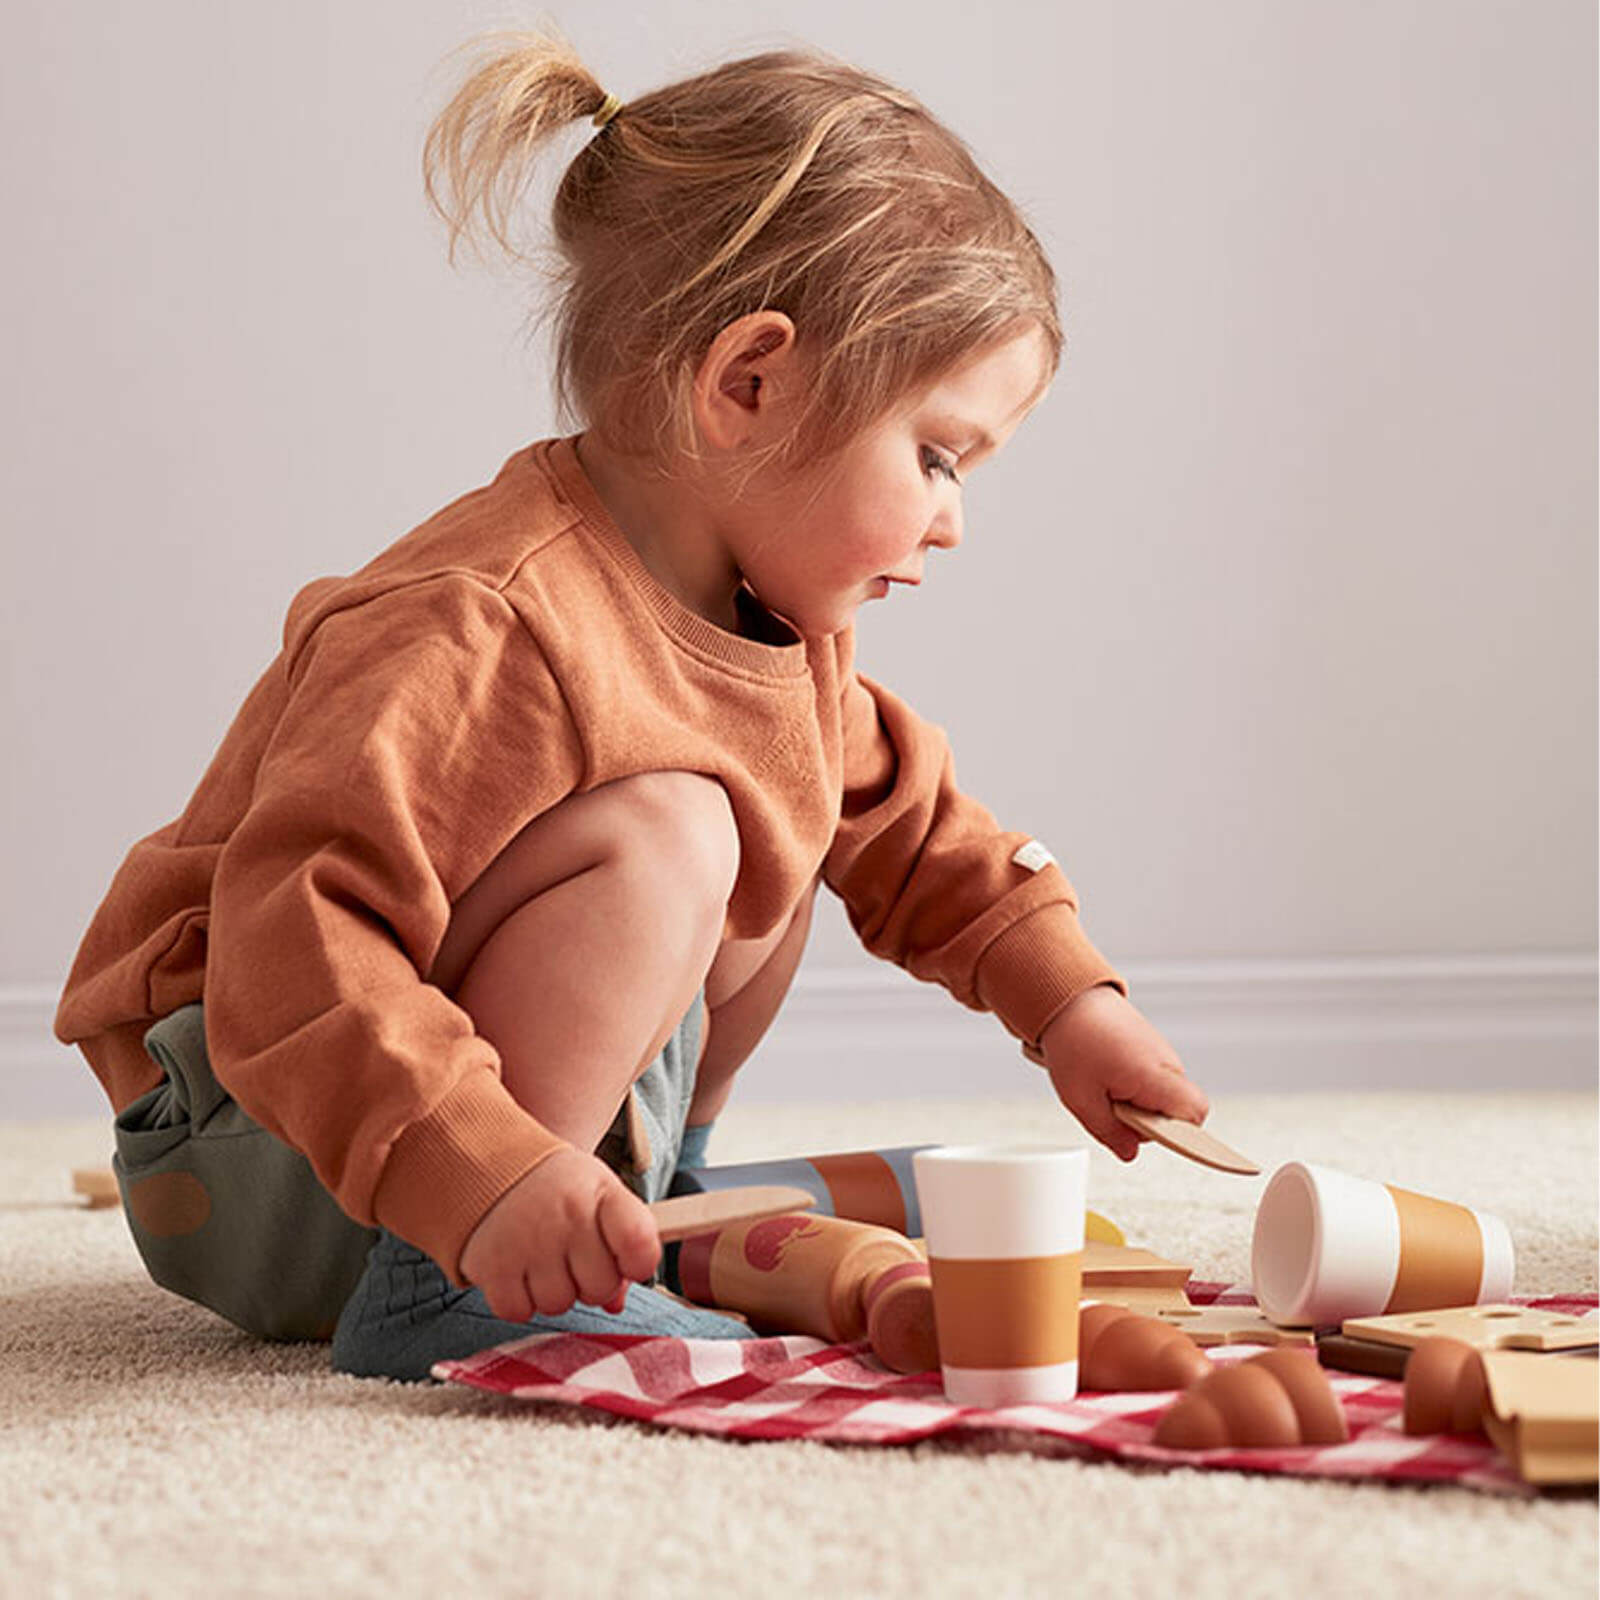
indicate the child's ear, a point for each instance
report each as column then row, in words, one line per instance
column 741, row 377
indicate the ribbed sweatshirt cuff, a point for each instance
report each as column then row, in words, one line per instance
column 446, row 1170
column 1037, row 967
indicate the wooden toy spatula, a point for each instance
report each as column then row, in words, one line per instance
column 687, row 1214
column 1184, row 1137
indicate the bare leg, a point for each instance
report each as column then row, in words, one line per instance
column 576, row 953
column 745, row 987
column 580, row 948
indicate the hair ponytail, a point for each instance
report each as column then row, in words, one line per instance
column 482, row 145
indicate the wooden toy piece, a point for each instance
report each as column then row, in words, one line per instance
column 1485, row 1327
column 1123, row 1263
column 1365, row 1356
column 1329, row 1246
column 1210, row 1326
column 639, row 1152
column 1279, row 1398
column 1118, row 1349
column 1097, row 1230
column 875, row 1186
column 1186, row 1138
column 687, row 1214
column 900, row 1319
column 825, row 1276
column 1445, row 1388
column 1543, row 1415
column 1101, row 1230
column 99, row 1184
column 1137, row 1279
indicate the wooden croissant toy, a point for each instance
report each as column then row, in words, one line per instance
column 1119, row 1349
column 1280, row 1398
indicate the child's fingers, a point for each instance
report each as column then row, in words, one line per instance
column 629, row 1232
column 509, row 1299
column 1158, row 1083
column 1121, row 1140
column 1169, row 1091
column 594, row 1269
column 550, row 1287
column 1101, row 1122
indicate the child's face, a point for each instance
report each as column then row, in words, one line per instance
column 816, row 543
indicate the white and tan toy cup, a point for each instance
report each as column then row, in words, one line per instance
column 1004, row 1230
column 1329, row 1246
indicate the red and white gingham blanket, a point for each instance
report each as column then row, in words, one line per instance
column 799, row 1388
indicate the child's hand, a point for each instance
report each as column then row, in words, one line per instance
column 568, row 1231
column 1101, row 1049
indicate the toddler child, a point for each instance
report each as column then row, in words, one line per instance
column 506, row 863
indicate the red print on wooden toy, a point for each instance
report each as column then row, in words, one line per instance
column 768, row 1242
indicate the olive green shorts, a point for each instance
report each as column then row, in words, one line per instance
column 226, row 1214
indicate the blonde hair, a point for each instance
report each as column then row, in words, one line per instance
column 787, row 181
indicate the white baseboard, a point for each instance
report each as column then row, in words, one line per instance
column 40, row 1077
column 1240, row 1026
column 870, row 1033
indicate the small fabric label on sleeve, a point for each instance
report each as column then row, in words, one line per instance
column 1034, row 856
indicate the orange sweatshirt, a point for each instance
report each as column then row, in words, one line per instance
column 509, row 652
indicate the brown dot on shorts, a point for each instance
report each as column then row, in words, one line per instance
column 168, row 1204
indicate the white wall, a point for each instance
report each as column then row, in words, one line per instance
column 1277, row 620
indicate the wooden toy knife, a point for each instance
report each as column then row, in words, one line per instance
column 687, row 1214
column 1187, row 1138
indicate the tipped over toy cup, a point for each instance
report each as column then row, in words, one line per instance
column 1004, row 1229
column 1329, row 1246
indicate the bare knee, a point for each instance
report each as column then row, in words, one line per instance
column 680, row 823
column 666, row 843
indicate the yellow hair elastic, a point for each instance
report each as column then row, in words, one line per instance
column 609, row 107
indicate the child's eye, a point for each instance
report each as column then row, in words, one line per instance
column 934, row 462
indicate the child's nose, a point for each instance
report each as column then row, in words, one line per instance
column 944, row 532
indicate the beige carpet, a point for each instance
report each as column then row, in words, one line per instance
column 148, row 1449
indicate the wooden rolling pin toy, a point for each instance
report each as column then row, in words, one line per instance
column 824, row 1276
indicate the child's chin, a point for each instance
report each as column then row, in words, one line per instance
column 820, row 622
